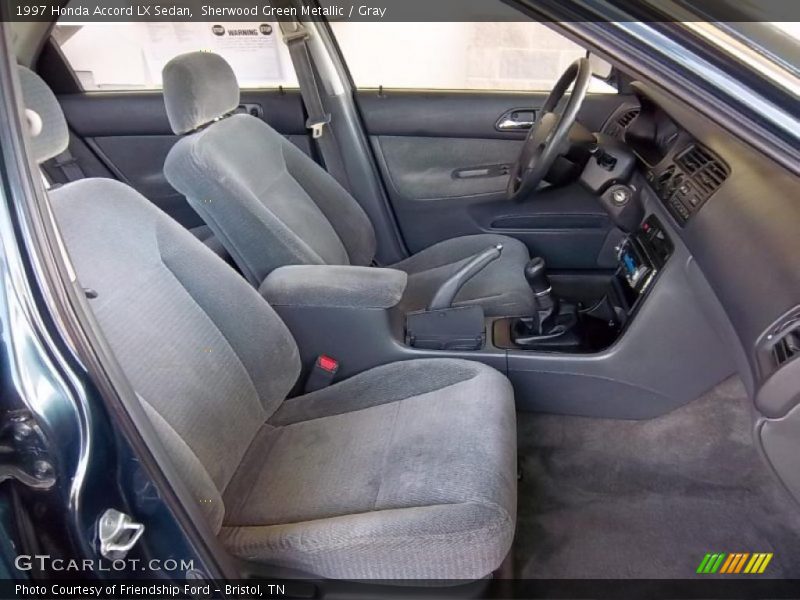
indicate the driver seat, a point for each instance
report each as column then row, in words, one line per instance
column 270, row 205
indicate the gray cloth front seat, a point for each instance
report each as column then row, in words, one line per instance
column 270, row 205
column 403, row 471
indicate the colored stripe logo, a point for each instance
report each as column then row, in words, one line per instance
column 734, row 563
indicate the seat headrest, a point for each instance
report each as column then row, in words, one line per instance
column 46, row 124
column 199, row 87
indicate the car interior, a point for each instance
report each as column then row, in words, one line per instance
column 441, row 334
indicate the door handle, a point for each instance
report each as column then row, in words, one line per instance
column 481, row 171
column 516, row 119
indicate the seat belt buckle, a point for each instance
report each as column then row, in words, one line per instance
column 317, row 125
column 322, row 373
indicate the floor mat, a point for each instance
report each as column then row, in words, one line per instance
column 648, row 499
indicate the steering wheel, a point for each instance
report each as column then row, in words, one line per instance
column 548, row 138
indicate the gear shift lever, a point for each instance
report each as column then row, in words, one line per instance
column 537, row 279
column 553, row 325
column 546, row 303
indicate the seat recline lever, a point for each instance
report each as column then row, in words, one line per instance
column 444, row 296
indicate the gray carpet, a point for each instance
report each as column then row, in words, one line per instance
column 648, row 499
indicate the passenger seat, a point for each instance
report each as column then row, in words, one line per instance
column 404, row 471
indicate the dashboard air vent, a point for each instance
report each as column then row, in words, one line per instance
column 779, row 346
column 706, row 171
column 787, row 348
column 663, row 182
column 617, row 127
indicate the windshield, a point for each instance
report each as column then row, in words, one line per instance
column 770, row 49
column 779, row 42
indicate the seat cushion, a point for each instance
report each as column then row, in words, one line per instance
column 501, row 288
column 405, row 471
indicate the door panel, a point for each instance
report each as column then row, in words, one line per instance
column 130, row 134
column 443, row 158
column 463, row 114
column 426, row 168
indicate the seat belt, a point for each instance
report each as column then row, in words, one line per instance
column 69, row 166
column 295, row 35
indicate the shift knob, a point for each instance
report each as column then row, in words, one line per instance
column 536, row 276
column 540, row 286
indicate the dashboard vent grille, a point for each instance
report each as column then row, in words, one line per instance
column 779, row 346
column 663, row 182
column 787, row 347
column 617, row 127
column 705, row 170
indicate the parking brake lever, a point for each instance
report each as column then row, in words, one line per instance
column 447, row 291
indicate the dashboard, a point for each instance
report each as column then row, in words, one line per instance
column 683, row 172
column 736, row 213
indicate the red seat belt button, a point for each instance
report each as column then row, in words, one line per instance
column 327, row 363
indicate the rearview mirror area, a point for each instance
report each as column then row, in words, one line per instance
column 601, row 69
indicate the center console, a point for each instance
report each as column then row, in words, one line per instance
column 598, row 345
column 571, row 325
column 357, row 315
column 641, row 256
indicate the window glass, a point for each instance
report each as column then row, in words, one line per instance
column 517, row 56
column 130, row 56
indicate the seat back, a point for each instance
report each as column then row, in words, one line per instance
column 269, row 204
column 207, row 356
